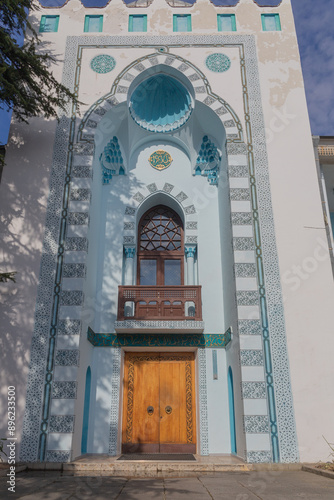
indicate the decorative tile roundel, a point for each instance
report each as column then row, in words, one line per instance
column 160, row 159
column 102, row 63
column 218, row 62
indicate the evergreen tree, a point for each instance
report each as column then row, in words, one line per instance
column 26, row 84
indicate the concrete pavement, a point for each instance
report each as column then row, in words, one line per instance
column 264, row 485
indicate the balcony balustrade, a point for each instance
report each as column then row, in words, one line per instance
column 159, row 303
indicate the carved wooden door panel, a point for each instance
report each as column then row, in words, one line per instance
column 159, row 403
column 177, row 403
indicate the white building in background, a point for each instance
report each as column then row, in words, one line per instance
column 175, row 289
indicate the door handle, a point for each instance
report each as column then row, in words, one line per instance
column 168, row 410
column 150, row 410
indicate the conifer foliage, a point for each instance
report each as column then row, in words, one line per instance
column 26, row 83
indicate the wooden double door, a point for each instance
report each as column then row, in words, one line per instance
column 159, row 403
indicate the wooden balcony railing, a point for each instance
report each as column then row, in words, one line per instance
column 159, row 302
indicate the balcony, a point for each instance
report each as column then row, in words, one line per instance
column 153, row 308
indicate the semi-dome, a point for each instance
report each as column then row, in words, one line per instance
column 160, row 104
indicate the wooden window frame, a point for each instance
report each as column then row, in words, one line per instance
column 160, row 255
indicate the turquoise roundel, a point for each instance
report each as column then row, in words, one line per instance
column 218, row 62
column 102, row 63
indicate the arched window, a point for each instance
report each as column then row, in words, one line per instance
column 160, row 248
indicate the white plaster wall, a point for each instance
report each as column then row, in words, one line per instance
column 301, row 238
column 232, row 353
column 99, row 421
column 218, row 410
column 24, row 192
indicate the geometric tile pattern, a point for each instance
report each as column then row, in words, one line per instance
column 69, row 327
column 245, row 298
column 259, row 457
column 243, row 244
column 181, row 197
column 190, row 210
column 242, row 218
column 67, row 357
column 203, row 403
column 80, row 195
column 238, row 171
column 253, row 390
column 74, row 270
column 78, row 218
column 61, row 423
column 250, row 327
column 71, row 298
column 82, row 171
column 115, row 400
column 152, row 187
column 251, row 357
column 245, row 270
column 256, row 424
column 76, row 243
column 58, row 456
column 240, row 194
column 64, row 390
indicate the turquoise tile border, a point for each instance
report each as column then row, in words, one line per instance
column 159, row 340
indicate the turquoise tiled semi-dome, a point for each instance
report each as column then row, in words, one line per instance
column 160, row 104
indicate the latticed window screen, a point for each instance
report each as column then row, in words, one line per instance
column 161, row 230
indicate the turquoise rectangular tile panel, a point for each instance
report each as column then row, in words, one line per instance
column 226, row 22
column 138, row 23
column 49, row 24
column 271, row 22
column 181, row 22
column 93, row 24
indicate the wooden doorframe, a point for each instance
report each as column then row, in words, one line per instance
column 156, row 350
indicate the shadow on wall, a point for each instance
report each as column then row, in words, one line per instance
column 23, row 198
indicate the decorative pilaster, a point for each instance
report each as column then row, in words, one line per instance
column 190, row 251
column 130, row 253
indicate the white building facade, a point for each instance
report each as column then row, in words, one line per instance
column 185, row 288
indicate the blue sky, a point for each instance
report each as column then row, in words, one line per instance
column 315, row 30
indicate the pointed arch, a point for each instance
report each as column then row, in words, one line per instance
column 189, row 73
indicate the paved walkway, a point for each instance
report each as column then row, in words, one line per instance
column 223, row 486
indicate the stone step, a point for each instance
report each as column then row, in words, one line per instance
column 142, row 468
